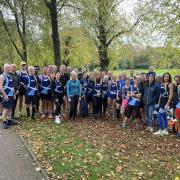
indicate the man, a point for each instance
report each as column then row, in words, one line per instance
column 151, row 72
column 64, row 79
column 7, row 90
column 37, row 75
column 23, row 74
column 16, row 85
column 31, row 92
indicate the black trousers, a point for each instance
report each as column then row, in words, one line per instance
column 14, row 108
column 104, row 104
column 58, row 103
column 73, row 106
column 97, row 105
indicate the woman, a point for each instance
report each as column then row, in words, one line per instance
column 133, row 103
column 31, row 92
column 58, row 92
column 113, row 88
column 104, row 94
column 73, row 93
column 97, row 103
column 165, row 99
column 89, row 92
column 150, row 96
column 46, row 93
column 127, row 88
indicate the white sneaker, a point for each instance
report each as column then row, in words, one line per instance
column 57, row 120
column 159, row 132
column 165, row 132
column 151, row 129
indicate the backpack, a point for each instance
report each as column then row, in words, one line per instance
column 83, row 107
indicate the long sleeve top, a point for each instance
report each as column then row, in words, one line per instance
column 73, row 88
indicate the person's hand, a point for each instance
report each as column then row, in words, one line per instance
column 166, row 107
column 6, row 98
column 69, row 99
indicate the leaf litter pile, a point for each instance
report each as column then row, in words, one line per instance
column 95, row 149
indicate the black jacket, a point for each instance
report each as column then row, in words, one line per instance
column 150, row 94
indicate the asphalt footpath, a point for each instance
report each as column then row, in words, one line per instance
column 15, row 161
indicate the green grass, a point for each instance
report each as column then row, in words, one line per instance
column 158, row 71
column 65, row 154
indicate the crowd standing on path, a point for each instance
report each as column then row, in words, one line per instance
column 144, row 98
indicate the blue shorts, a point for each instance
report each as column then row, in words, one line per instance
column 112, row 96
column 8, row 104
column 47, row 97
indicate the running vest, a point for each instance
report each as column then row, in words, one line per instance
column 120, row 84
column 23, row 78
column 97, row 88
column 84, row 84
column 113, row 88
column 32, row 86
column 59, row 88
column 45, row 86
column 132, row 100
column 90, row 87
column 8, row 85
column 104, row 88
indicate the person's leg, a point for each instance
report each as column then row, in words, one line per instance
column 151, row 112
column 146, row 110
column 14, row 107
column 20, row 102
column 28, row 104
column 165, row 121
column 100, row 106
column 4, row 118
column 105, row 100
column 94, row 102
column 43, row 106
column 76, row 105
column 72, row 104
column 34, row 100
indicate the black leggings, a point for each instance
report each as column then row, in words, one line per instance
column 58, row 103
column 73, row 106
column 129, row 110
column 97, row 105
column 104, row 104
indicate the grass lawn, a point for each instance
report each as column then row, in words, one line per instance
column 158, row 71
column 96, row 149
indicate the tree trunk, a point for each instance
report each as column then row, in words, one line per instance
column 103, row 57
column 55, row 33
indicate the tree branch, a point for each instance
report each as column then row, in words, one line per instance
column 9, row 35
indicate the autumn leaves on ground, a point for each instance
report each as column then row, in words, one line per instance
column 99, row 149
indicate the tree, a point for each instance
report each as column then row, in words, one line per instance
column 17, row 10
column 100, row 18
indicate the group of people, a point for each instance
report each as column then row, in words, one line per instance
column 95, row 94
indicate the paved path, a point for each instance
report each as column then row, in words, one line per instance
column 15, row 161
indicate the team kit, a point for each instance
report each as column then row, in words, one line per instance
column 143, row 98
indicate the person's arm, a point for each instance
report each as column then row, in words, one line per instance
column 170, row 95
column 68, row 89
column 2, row 89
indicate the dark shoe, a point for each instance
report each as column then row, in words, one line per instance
column 5, row 125
column 178, row 135
column 12, row 122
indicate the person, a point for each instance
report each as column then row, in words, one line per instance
column 31, row 92
column 89, row 91
column 97, row 103
column 23, row 75
column 133, row 103
column 58, row 93
column 165, row 99
column 7, row 90
column 37, row 75
column 45, row 90
column 73, row 94
column 16, row 85
column 126, row 89
column 151, row 72
column 113, row 90
column 104, row 94
column 150, row 96
column 177, row 114
column 175, row 91
column 120, row 85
